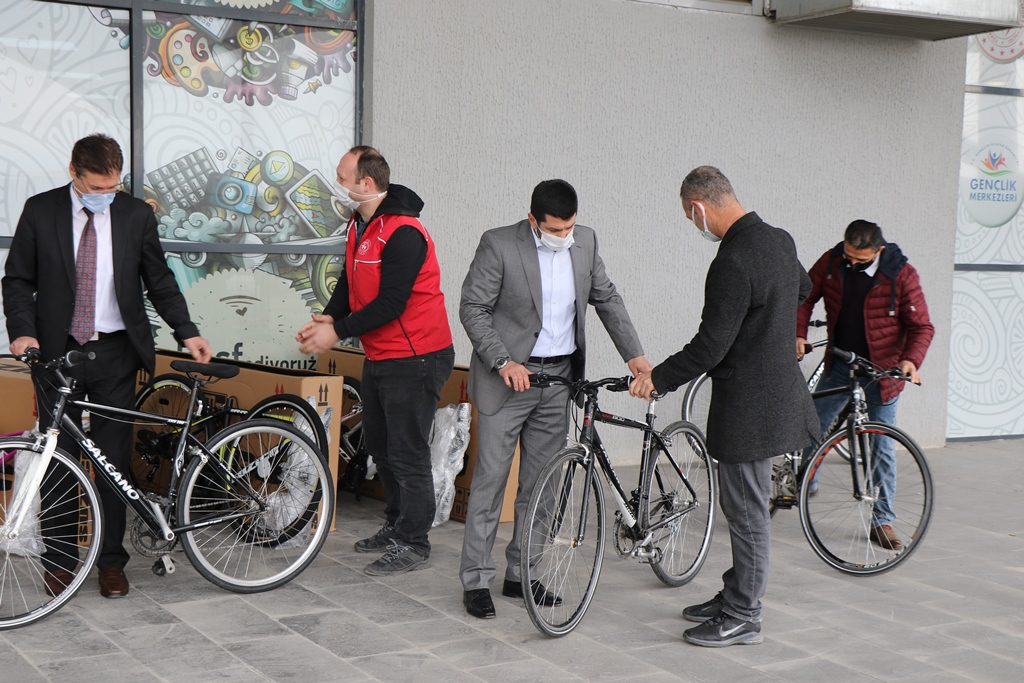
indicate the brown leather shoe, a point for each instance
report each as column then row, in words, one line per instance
column 56, row 581
column 113, row 583
column 884, row 536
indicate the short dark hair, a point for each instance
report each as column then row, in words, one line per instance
column 372, row 163
column 553, row 198
column 97, row 153
column 706, row 184
column 862, row 234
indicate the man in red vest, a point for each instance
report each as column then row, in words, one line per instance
column 391, row 299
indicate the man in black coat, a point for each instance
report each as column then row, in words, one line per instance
column 760, row 405
column 83, row 257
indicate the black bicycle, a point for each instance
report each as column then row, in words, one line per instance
column 666, row 521
column 842, row 485
column 251, row 506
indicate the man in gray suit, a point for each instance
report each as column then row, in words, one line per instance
column 760, row 406
column 524, row 304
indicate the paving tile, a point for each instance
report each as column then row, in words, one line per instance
column 412, row 667
column 345, row 634
column 226, row 619
column 113, row 668
column 477, row 652
column 15, row 667
column 288, row 600
column 163, row 649
column 61, row 636
column 380, row 602
column 294, row 658
column 530, row 671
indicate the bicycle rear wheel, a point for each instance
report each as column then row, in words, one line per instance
column 839, row 527
column 680, row 510
column 263, row 542
column 74, row 534
column 697, row 402
column 562, row 545
column 296, row 412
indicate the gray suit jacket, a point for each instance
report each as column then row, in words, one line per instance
column 501, row 306
column 760, row 405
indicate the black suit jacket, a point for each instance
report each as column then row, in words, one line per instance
column 760, row 405
column 39, row 284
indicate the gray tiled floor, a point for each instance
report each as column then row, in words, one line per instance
column 955, row 612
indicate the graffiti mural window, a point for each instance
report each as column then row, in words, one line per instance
column 239, row 111
column 244, row 125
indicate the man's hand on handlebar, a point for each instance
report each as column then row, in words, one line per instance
column 22, row 344
column 801, row 345
column 642, row 386
column 908, row 369
column 516, row 376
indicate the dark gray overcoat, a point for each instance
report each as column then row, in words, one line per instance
column 760, row 405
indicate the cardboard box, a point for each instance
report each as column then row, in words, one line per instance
column 17, row 396
column 256, row 382
column 349, row 362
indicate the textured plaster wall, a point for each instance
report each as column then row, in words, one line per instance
column 475, row 101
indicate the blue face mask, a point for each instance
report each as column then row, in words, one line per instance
column 97, row 203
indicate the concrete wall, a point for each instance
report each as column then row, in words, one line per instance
column 475, row 101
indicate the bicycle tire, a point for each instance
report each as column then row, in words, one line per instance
column 295, row 411
column 838, row 526
column 687, row 511
column 552, row 553
column 352, row 466
column 697, row 402
column 23, row 595
column 266, row 547
column 155, row 443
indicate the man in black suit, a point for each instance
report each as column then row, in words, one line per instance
column 760, row 406
column 80, row 260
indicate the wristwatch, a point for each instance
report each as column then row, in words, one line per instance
column 502, row 362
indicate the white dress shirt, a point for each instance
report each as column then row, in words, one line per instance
column 558, row 299
column 108, row 314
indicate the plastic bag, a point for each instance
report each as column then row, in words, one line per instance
column 448, row 442
column 29, row 540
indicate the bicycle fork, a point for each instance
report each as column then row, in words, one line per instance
column 33, row 480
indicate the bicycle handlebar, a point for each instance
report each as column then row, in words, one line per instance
column 867, row 367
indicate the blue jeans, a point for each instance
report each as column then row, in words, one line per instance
column 399, row 399
column 883, row 449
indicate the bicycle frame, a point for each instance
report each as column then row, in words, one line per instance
column 148, row 510
column 590, row 441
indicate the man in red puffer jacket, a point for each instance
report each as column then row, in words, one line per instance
column 875, row 308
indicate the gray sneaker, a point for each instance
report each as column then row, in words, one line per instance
column 705, row 610
column 723, row 631
column 377, row 543
column 397, row 560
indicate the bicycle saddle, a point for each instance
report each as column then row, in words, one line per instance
column 218, row 370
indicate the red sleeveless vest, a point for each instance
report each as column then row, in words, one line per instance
column 423, row 325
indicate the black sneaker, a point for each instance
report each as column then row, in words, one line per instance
column 377, row 543
column 397, row 560
column 705, row 610
column 723, row 631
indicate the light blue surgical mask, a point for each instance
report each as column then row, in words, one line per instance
column 705, row 233
column 97, row 203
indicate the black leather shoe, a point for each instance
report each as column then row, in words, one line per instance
column 541, row 595
column 478, row 603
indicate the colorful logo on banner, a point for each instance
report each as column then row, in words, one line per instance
column 992, row 184
column 1002, row 46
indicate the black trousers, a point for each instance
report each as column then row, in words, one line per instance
column 110, row 379
column 399, row 400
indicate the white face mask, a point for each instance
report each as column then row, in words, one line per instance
column 705, row 233
column 553, row 242
column 345, row 195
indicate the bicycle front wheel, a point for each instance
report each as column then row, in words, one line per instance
column 296, row 412
column 562, row 543
column 70, row 514
column 251, row 542
column 680, row 510
column 897, row 490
